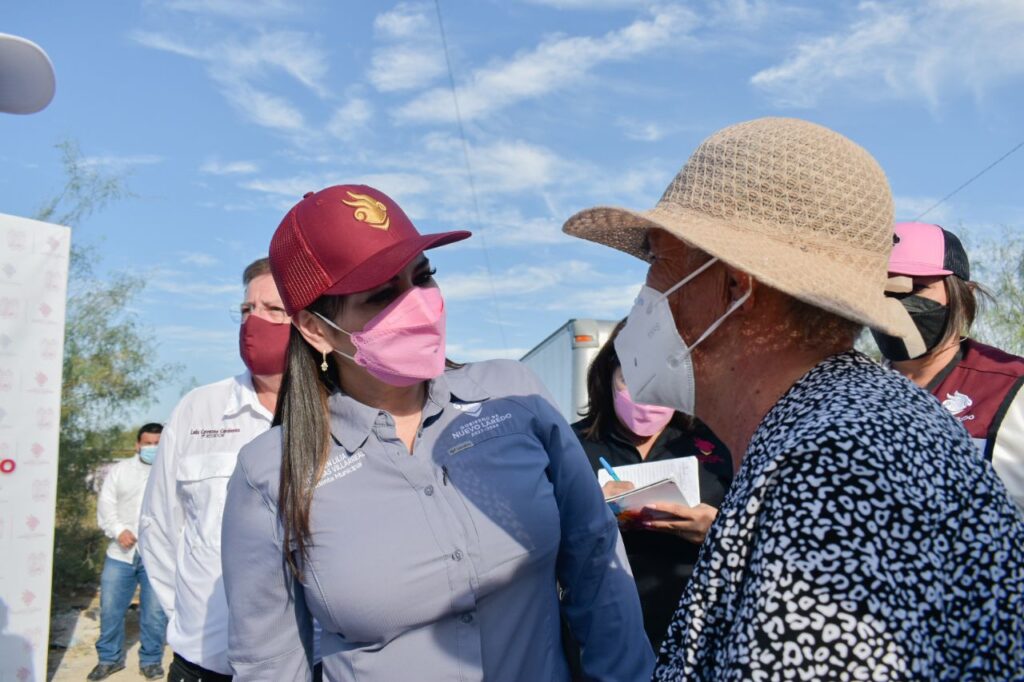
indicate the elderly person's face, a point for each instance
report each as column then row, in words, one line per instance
column 698, row 303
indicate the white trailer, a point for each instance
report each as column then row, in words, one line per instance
column 563, row 358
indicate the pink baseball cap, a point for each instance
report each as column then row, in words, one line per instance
column 926, row 250
column 342, row 240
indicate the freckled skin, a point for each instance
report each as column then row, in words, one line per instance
column 745, row 365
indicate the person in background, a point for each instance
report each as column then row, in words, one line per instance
column 623, row 432
column 978, row 384
column 863, row 537
column 180, row 536
column 424, row 513
column 117, row 513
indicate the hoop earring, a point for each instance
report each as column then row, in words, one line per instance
column 323, row 365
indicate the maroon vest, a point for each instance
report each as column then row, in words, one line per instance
column 978, row 386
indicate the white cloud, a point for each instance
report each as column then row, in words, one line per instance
column 437, row 169
column 744, row 13
column 159, row 41
column 400, row 68
column 184, row 284
column 395, row 185
column 293, row 52
column 404, row 21
column 512, row 166
column 236, row 65
column 611, row 302
column 500, row 166
column 912, row 50
column 643, row 131
column 506, row 226
column 514, row 282
column 234, row 206
column 197, row 338
column 468, row 352
column 554, row 64
column 591, row 4
column 408, row 54
column 351, row 119
column 263, row 108
column 908, row 208
column 217, row 167
column 237, row 9
column 203, row 260
column 294, row 186
column 120, row 162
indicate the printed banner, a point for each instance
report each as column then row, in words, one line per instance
column 33, row 292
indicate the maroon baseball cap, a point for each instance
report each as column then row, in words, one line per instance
column 342, row 240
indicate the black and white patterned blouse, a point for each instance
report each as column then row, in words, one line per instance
column 863, row 538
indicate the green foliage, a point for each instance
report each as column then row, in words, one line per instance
column 86, row 190
column 1001, row 322
column 108, row 371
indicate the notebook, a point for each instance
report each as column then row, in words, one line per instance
column 682, row 470
column 629, row 506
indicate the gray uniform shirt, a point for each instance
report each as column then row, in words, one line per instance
column 443, row 565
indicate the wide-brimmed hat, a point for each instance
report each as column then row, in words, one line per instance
column 342, row 240
column 27, row 82
column 796, row 205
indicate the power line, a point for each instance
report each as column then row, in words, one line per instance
column 472, row 180
column 984, row 170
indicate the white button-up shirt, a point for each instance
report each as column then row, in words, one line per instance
column 181, row 514
column 117, row 508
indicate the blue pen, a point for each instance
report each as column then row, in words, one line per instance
column 608, row 468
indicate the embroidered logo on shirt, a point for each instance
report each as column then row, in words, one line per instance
column 214, row 433
column 460, row 447
column 480, row 425
column 956, row 402
column 472, row 409
column 341, row 466
column 707, row 451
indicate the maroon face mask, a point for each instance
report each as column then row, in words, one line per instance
column 263, row 345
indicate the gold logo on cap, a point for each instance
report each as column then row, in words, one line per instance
column 369, row 210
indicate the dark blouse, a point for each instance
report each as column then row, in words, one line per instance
column 863, row 538
column 662, row 563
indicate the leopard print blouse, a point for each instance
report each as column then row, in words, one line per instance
column 864, row 538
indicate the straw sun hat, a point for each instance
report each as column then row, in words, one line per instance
column 798, row 206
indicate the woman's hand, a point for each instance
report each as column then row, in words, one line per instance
column 690, row 523
column 613, row 488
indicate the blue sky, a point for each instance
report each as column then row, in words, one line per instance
column 222, row 113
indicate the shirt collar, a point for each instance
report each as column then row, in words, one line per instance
column 243, row 395
column 459, row 385
column 352, row 421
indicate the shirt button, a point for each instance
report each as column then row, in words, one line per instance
column 466, row 618
column 457, row 555
column 428, row 491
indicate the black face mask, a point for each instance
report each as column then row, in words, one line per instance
column 931, row 320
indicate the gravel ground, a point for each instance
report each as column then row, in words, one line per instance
column 73, row 635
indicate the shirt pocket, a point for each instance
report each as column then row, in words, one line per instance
column 503, row 481
column 203, row 485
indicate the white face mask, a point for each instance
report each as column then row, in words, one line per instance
column 656, row 362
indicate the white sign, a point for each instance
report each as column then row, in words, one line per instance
column 33, row 293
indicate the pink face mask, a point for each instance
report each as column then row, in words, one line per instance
column 643, row 420
column 404, row 344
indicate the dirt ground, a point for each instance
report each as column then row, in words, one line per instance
column 73, row 634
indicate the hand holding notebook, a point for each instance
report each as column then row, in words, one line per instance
column 633, row 506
